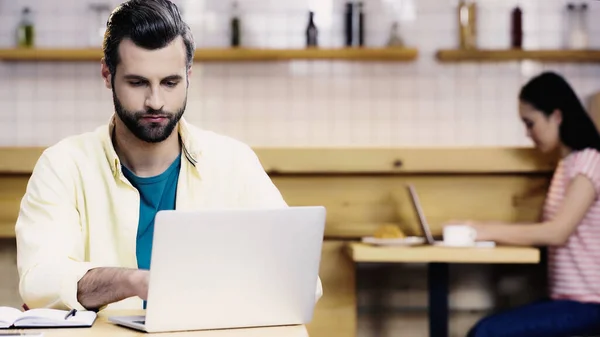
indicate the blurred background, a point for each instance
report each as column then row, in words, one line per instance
column 422, row 102
column 414, row 80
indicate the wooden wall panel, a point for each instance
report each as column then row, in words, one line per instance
column 405, row 160
column 363, row 187
column 336, row 312
column 12, row 188
column 356, row 205
column 359, row 160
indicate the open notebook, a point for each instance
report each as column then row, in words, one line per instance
column 44, row 318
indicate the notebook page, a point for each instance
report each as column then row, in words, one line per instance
column 8, row 316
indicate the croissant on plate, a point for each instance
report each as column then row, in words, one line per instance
column 389, row 232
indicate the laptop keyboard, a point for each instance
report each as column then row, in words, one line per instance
column 140, row 322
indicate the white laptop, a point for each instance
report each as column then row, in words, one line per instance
column 425, row 226
column 224, row 269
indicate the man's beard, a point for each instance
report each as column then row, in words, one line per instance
column 152, row 132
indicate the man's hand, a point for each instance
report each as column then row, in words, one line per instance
column 139, row 283
column 103, row 286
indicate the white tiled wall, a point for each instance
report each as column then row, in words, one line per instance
column 299, row 103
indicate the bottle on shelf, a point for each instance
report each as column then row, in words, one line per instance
column 349, row 24
column 467, row 22
column 395, row 40
column 517, row 28
column 26, row 29
column 583, row 19
column 312, row 33
column 361, row 24
column 577, row 37
column 235, row 26
column 354, row 24
column 100, row 12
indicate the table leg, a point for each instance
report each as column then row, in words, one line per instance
column 438, row 279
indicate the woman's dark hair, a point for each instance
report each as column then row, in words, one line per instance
column 549, row 92
column 150, row 24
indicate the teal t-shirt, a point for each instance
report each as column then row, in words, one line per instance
column 156, row 194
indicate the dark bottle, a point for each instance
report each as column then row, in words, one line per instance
column 349, row 23
column 361, row 25
column 517, row 28
column 312, row 32
column 236, row 38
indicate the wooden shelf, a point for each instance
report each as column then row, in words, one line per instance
column 491, row 55
column 224, row 55
column 351, row 54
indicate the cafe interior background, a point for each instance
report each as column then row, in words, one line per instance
column 413, row 79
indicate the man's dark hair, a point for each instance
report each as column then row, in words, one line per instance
column 150, row 24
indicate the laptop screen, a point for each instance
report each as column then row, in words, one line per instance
column 421, row 216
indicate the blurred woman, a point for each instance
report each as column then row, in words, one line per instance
column 556, row 121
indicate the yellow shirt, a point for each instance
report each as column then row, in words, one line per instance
column 79, row 211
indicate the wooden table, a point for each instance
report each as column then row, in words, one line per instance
column 360, row 252
column 438, row 259
column 103, row 328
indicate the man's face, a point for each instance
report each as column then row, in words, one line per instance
column 150, row 89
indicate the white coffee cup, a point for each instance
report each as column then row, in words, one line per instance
column 459, row 235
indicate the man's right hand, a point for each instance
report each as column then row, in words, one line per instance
column 102, row 286
column 139, row 283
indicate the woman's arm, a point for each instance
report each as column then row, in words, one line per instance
column 581, row 194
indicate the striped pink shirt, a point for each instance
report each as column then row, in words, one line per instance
column 574, row 268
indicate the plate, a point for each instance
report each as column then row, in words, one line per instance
column 407, row 241
column 477, row 244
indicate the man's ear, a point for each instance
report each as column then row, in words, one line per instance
column 106, row 76
column 189, row 75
